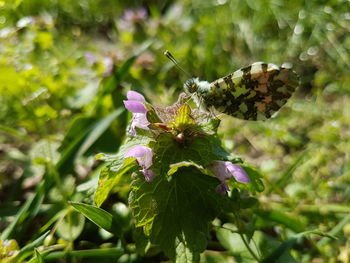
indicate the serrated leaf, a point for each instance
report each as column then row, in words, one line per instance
column 108, row 179
column 168, row 151
column 99, row 217
column 210, row 126
column 176, row 166
column 175, row 214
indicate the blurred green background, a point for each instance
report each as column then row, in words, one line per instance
column 65, row 67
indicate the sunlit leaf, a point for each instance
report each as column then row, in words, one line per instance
column 99, row 217
column 71, row 225
column 175, row 214
column 108, row 179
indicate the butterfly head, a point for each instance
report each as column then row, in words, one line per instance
column 191, row 85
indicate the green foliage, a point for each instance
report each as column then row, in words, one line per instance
column 100, row 217
column 175, row 214
column 167, row 151
column 65, row 67
column 109, row 179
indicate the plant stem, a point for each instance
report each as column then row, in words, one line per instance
column 245, row 241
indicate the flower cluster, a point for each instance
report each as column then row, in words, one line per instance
column 224, row 171
column 137, row 105
column 144, row 157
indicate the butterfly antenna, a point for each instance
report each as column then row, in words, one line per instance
column 172, row 59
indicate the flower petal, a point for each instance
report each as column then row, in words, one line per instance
column 139, row 120
column 222, row 188
column 135, row 106
column 136, row 151
column 225, row 170
column 148, row 174
column 219, row 169
column 133, row 95
column 143, row 155
column 238, row 173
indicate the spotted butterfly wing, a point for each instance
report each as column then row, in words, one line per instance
column 254, row 93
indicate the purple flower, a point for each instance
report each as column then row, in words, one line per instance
column 132, row 17
column 136, row 105
column 133, row 95
column 144, row 156
column 222, row 188
column 91, row 58
column 224, row 171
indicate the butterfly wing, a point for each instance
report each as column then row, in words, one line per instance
column 255, row 92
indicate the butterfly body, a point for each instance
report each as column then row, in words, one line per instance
column 255, row 92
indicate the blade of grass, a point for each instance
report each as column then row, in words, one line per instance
column 103, row 252
column 98, row 216
column 29, row 209
column 28, row 249
column 288, row 244
column 97, row 130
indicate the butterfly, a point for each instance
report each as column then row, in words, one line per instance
column 254, row 92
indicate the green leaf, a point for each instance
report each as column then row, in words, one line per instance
column 231, row 240
column 168, row 151
column 83, row 133
column 78, row 128
column 176, row 166
column 217, row 149
column 97, row 130
column 102, row 253
column 336, row 230
column 215, row 257
column 183, row 119
column 99, row 217
column 210, row 126
column 71, row 226
column 118, row 167
column 276, row 255
column 281, row 218
column 15, row 133
column 84, row 95
column 39, row 257
column 32, row 245
column 287, row 175
column 141, row 241
column 176, row 214
column 151, row 115
column 28, row 210
column 108, row 179
column 259, row 243
column 116, row 159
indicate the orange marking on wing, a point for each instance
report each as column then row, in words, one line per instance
column 260, row 106
column 268, row 99
column 261, row 88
